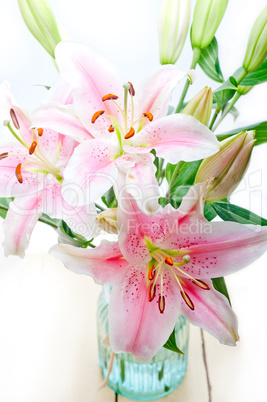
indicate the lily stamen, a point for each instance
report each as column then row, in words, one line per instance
column 130, row 133
column 96, row 115
column 32, row 147
column 187, row 300
column 40, row 132
column 151, row 273
column 149, row 116
column 109, row 97
column 18, row 173
column 14, row 119
column 3, row 155
column 169, row 261
column 111, row 129
column 152, row 292
column 161, row 303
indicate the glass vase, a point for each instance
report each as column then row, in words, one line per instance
column 136, row 380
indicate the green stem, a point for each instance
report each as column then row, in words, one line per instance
column 196, row 56
column 217, row 111
column 161, row 161
column 174, row 175
column 242, row 75
column 227, row 109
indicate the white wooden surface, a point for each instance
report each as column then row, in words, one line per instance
column 48, row 340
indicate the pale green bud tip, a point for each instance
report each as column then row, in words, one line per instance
column 173, row 27
column 40, row 20
column 228, row 166
column 200, row 106
column 107, row 220
column 207, row 17
column 257, row 43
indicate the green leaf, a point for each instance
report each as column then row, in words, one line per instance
column 220, row 285
column 187, row 173
column 234, row 213
column 260, row 128
column 109, row 199
column 209, row 212
column 209, row 61
column 225, row 92
column 172, row 345
column 255, row 77
column 74, row 238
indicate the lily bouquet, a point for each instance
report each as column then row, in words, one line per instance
column 100, row 155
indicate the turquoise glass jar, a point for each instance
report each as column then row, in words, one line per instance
column 142, row 381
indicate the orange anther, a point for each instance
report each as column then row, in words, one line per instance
column 40, row 132
column 32, row 147
column 111, row 129
column 131, row 89
column 96, row 115
column 187, row 300
column 18, row 173
column 151, row 273
column 109, row 97
column 14, row 119
column 169, row 261
column 130, row 133
column 149, row 116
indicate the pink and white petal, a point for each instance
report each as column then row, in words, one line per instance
column 80, row 219
column 91, row 77
column 136, row 325
column 155, row 94
column 219, row 248
column 104, row 263
column 60, row 118
column 178, row 137
column 140, row 181
column 6, row 103
column 91, row 171
column 9, row 185
column 20, row 221
column 212, row 312
column 60, row 92
column 131, row 231
column 67, row 146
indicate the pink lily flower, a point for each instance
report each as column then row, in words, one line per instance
column 32, row 170
column 161, row 267
column 122, row 128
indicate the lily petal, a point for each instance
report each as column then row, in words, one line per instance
column 212, row 312
column 80, row 219
column 140, row 180
column 135, row 324
column 6, row 103
column 21, row 218
column 9, row 185
column 177, row 137
column 92, row 78
column 104, row 263
column 91, row 171
column 60, row 118
column 155, row 94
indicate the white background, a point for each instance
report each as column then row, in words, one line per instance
column 46, row 312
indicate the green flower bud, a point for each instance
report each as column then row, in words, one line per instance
column 40, row 20
column 228, row 166
column 257, row 43
column 107, row 220
column 207, row 17
column 173, row 27
column 200, row 106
